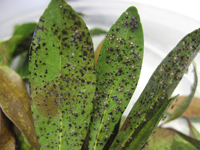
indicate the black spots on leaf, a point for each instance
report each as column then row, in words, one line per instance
column 43, row 44
column 64, row 32
column 83, row 33
column 64, row 39
column 84, row 53
column 56, row 32
column 42, row 20
column 78, row 23
column 38, row 47
column 83, row 112
column 38, row 28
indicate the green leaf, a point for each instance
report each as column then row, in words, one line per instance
column 118, row 70
column 180, row 143
column 157, row 91
column 161, row 139
column 148, row 126
column 62, row 78
column 24, row 143
column 186, row 102
column 97, row 31
column 193, row 131
column 23, row 65
column 15, row 103
column 7, row 48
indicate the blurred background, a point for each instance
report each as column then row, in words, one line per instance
column 164, row 22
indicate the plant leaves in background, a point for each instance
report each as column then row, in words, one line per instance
column 97, row 31
column 23, row 65
column 193, row 131
column 24, row 143
column 147, row 128
column 7, row 48
column 191, row 112
column 157, row 91
column 161, row 139
column 7, row 137
column 15, row 103
column 168, row 139
column 62, row 78
column 118, row 70
column 180, row 143
column 186, row 102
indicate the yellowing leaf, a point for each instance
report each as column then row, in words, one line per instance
column 7, row 137
column 192, row 111
column 15, row 103
column 97, row 52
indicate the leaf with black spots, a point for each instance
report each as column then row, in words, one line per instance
column 62, row 77
column 118, row 70
column 157, row 91
column 186, row 102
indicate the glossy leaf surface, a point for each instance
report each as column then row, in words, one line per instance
column 62, row 78
column 118, row 70
column 158, row 90
column 15, row 103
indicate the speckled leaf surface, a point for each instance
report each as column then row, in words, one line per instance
column 118, row 70
column 15, row 103
column 7, row 137
column 159, row 89
column 144, row 131
column 62, row 78
column 186, row 102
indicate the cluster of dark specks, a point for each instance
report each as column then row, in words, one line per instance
column 116, row 76
column 62, row 76
column 161, row 85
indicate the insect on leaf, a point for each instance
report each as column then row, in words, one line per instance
column 15, row 103
column 62, row 77
column 118, row 69
column 157, row 91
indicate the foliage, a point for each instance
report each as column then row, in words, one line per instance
column 78, row 97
